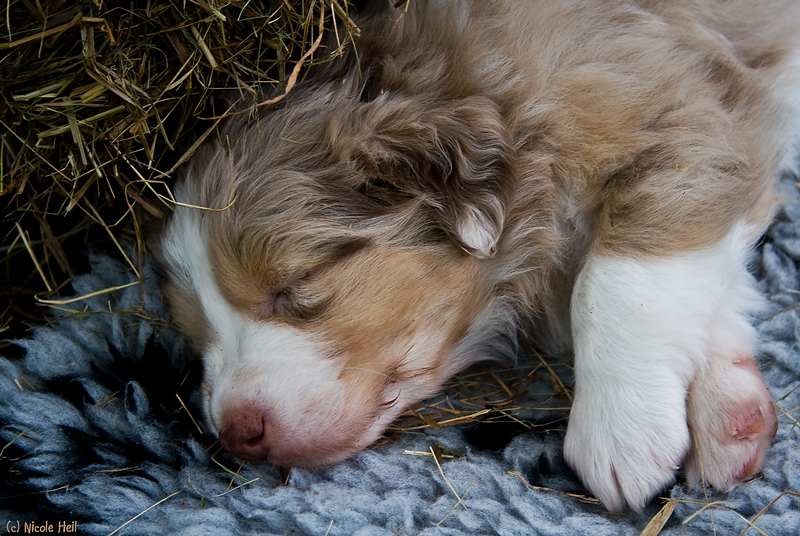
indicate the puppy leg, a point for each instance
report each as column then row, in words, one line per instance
column 642, row 329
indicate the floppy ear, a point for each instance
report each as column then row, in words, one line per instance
column 451, row 154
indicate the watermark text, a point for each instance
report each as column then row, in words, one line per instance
column 41, row 527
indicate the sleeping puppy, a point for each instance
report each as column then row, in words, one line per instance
column 592, row 174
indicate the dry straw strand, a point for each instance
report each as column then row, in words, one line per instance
column 658, row 521
column 143, row 512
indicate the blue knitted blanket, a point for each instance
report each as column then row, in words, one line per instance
column 96, row 438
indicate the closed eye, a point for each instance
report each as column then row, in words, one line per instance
column 295, row 297
column 292, row 299
column 297, row 302
column 280, row 301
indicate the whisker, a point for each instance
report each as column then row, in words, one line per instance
column 362, row 369
column 391, row 402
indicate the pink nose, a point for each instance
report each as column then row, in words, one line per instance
column 244, row 436
column 253, row 433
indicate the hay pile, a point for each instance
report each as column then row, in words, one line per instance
column 103, row 99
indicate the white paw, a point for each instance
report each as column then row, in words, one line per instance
column 732, row 420
column 626, row 441
column 644, row 330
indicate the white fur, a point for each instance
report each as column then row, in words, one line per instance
column 642, row 329
column 478, row 234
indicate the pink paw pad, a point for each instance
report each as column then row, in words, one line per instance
column 749, row 424
column 733, row 421
column 756, row 428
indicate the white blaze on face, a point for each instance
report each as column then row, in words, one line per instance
column 269, row 363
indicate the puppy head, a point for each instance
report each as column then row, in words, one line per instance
column 338, row 278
